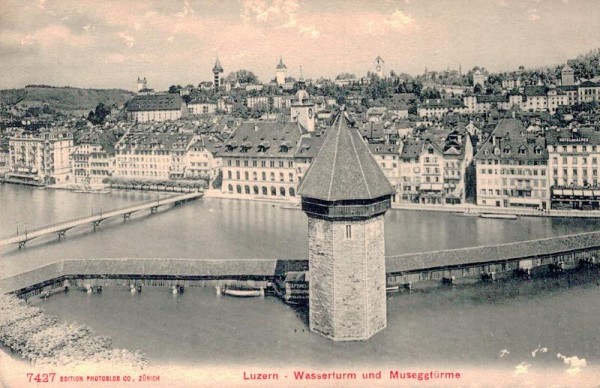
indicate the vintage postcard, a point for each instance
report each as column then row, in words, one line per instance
column 262, row 193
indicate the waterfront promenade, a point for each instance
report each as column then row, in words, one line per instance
column 62, row 227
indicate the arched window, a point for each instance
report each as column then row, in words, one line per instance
column 264, row 176
column 255, row 190
column 280, row 177
column 246, row 176
column 292, row 192
column 230, row 188
column 273, row 191
column 254, row 175
column 239, row 189
column 264, row 190
column 237, row 175
column 282, row 191
column 229, row 174
column 247, row 189
column 291, row 176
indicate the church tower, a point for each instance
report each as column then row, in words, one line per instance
column 567, row 76
column 280, row 72
column 302, row 107
column 345, row 195
column 217, row 71
column 379, row 67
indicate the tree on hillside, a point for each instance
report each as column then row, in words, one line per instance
column 345, row 76
column 243, row 77
column 98, row 115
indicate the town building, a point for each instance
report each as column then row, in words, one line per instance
column 543, row 99
column 201, row 158
column 157, row 156
column 387, row 156
column 259, row 160
column 302, row 108
column 433, row 167
column 40, row 157
column 155, row 107
column 345, row 196
column 512, row 168
column 567, row 76
column 280, row 72
column 479, row 78
column 573, row 156
column 217, row 71
column 441, row 107
column 588, row 91
column 142, row 84
column 93, row 158
column 201, row 106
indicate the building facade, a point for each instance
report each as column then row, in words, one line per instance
column 40, row 157
column 512, row 168
column 259, row 160
column 155, row 107
column 573, row 156
column 93, row 158
column 154, row 156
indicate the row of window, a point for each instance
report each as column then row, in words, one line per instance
column 255, row 190
column 238, row 176
column 574, row 160
column 512, row 171
column 263, row 163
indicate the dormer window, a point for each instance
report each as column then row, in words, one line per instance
column 538, row 150
column 522, row 150
column 486, row 152
column 496, row 151
column 506, row 150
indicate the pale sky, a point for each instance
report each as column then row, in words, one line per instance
column 108, row 43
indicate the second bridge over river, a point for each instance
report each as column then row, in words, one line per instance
column 62, row 227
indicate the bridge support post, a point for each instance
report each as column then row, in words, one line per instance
column 96, row 225
column 153, row 209
column 61, row 234
column 126, row 216
column 22, row 244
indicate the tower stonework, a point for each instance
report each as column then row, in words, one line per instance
column 345, row 196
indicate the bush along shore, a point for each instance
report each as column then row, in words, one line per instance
column 157, row 185
column 42, row 340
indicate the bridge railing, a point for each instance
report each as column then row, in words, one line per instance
column 74, row 220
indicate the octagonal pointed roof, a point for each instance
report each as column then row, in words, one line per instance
column 344, row 168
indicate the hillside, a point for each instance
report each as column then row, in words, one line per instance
column 63, row 99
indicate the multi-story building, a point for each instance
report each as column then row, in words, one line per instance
column 155, row 107
column 512, row 168
column 588, row 91
column 485, row 103
column 93, row 158
column 41, row 157
column 573, row 156
column 567, row 76
column 302, row 108
column 387, row 157
column 201, row 158
column 159, row 156
column 201, row 107
column 259, row 160
column 433, row 167
column 544, row 99
column 441, row 107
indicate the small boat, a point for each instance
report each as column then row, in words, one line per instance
column 243, row 292
column 500, row 216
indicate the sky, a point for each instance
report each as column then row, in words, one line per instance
column 109, row 43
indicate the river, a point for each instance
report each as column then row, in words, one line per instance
column 463, row 325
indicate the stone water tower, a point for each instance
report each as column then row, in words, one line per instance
column 345, row 195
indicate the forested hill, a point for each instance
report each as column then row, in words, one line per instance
column 64, row 99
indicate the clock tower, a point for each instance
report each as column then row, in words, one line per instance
column 302, row 108
column 379, row 67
